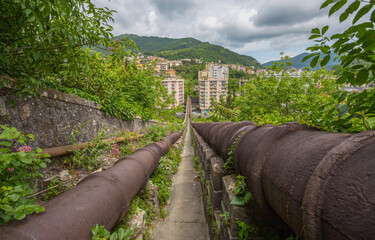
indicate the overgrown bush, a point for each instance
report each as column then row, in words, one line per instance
column 18, row 169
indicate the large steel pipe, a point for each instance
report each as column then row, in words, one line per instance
column 101, row 198
column 321, row 184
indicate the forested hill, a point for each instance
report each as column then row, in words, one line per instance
column 191, row 48
column 297, row 62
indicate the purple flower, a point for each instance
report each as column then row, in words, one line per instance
column 10, row 169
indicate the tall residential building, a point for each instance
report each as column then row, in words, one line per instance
column 213, row 83
column 175, row 87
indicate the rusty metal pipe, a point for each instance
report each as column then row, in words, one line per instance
column 101, row 198
column 63, row 150
column 319, row 183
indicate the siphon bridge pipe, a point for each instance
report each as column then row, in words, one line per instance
column 321, row 184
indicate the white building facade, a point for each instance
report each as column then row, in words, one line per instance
column 175, row 87
column 213, row 83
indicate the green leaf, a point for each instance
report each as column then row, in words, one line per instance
column 6, row 208
column 19, row 215
column 314, row 61
column 324, row 29
column 362, row 76
column 31, row 19
column 326, row 3
column 353, row 7
column 343, row 96
column 337, row 6
column 371, row 122
column 26, row 160
column 309, row 56
column 314, row 36
column 373, row 16
column 247, row 197
column 338, row 35
column 14, row 197
column 325, row 60
column 43, row 164
column 344, row 16
column 342, row 109
column 362, row 12
column 4, row 150
column 342, row 79
column 315, row 31
column 238, row 200
column 5, row 143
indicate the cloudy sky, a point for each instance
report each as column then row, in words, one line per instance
column 258, row 28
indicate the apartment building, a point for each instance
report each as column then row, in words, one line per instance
column 175, row 87
column 213, row 83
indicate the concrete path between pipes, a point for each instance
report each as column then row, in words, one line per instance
column 186, row 216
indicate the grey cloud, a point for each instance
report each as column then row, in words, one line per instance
column 279, row 13
column 273, row 23
column 171, row 8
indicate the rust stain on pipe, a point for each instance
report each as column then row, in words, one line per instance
column 101, row 198
column 321, row 184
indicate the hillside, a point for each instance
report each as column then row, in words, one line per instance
column 191, row 48
column 297, row 62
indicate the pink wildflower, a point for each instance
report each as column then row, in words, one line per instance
column 132, row 138
column 154, row 131
column 10, row 169
column 24, row 149
column 146, row 129
column 113, row 138
column 117, row 41
column 115, row 153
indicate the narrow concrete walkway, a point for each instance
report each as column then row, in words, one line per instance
column 186, row 218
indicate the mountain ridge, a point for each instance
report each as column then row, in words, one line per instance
column 191, row 48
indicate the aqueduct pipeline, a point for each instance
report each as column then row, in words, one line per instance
column 319, row 183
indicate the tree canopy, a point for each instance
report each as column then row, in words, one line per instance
column 48, row 44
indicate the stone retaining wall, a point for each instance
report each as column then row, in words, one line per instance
column 54, row 116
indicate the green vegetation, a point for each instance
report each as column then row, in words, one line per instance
column 244, row 230
column 48, row 46
column 355, row 48
column 163, row 176
column 100, row 233
column 189, row 48
column 40, row 39
column 313, row 99
column 316, row 98
column 17, row 172
column 241, row 193
column 297, row 62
